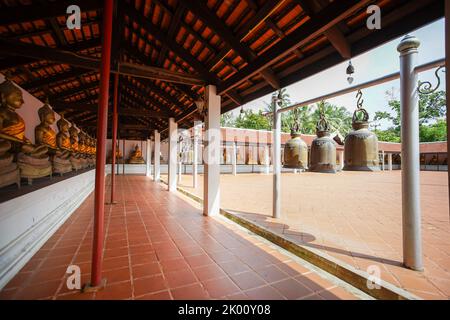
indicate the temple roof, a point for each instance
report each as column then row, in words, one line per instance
column 167, row 50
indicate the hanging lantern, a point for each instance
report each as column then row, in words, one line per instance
column 295, row 150
column 361, row 145
column 323, row 149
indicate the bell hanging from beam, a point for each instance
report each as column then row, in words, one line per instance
column 295, row 150
column 323, row 148
column 361, row 145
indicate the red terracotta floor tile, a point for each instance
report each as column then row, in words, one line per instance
column 146, row 270
column 190, row 292
column 115, row 291
column 248, row 280
column 264, row 293
column 174, row 265
column 180, row 278
column 38, row 291
column 117, row 275
column 157, row 247
column 162, row 295
column 291, row 289
column 115, row 263
column 208, row 272
column 219, row 288
column 271, row 273
column 149, row 285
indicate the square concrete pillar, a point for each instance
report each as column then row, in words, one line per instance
column 173, row 141
column 149, row 158
column 390, row 161
column 197, row 136
column 211, row 154
column 156, row 161
column 233, row 158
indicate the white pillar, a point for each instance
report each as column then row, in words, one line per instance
column 409, row 110
column 341, row 159
column 156, row 155
column 172, row 163
column 180, row 171
column 197, row 133
column 149, row 158
column 266, row 160
column 211, row 178
column 276, row 211
column 382, row 161
column 233, row 158
column 390, row 161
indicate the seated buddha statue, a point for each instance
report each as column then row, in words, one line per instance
column 33, row 160
column 9, row 171
column 136, row 156
column 82, row 149
column 75, row 157
column 45, row 135
column 12, row 126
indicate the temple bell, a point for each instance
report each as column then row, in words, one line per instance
column 295, row 151
column 361, row 145
column 323, row 149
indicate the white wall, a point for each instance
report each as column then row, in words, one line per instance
column 28, row 221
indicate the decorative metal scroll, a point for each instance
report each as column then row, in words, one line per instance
column 322, row 124
column 426, row 87
column 360, row 109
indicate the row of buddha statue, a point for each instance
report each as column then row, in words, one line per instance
column 52, row 153
column 135, row 156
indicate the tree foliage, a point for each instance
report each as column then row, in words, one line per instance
column 432, row 126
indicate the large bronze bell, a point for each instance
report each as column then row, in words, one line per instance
column 361, row 145
column 295, row 151
column 323, row 149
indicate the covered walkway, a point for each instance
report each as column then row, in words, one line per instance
column 160, row 246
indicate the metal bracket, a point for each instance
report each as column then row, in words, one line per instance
column 426, row 87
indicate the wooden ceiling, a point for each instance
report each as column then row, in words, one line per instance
column 246, row 48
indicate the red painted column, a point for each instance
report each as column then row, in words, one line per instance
column 102, row 122
column 114, row 135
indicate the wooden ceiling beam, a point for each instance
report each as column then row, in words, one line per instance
column 334, row 13
column 210, row 18
column 11, row 47
column 28, row 13
column 333, row 34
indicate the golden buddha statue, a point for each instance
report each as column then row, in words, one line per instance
column 12, row 126
column 9, row 172
column 45, row 135
column 33, row 160
column 136, row 156
column 74, row 139
column 82, row 149
column 75, row 157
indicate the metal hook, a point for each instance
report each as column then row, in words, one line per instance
column 359, row 103
column 426, row 87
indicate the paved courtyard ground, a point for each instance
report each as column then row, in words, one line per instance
column 160, row 246
column 352, row 216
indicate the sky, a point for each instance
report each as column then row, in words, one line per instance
column 373, row 64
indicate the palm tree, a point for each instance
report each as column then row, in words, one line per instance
column 283, row 99
column 339, row 118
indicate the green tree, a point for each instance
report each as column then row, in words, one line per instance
column 227, row 120
column 432, row 108
column 433, row 132
column 339, row 118
column 252, row 120
column 283, row 102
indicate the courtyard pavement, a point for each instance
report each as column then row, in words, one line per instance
column 355, row 217
column 159, row 246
